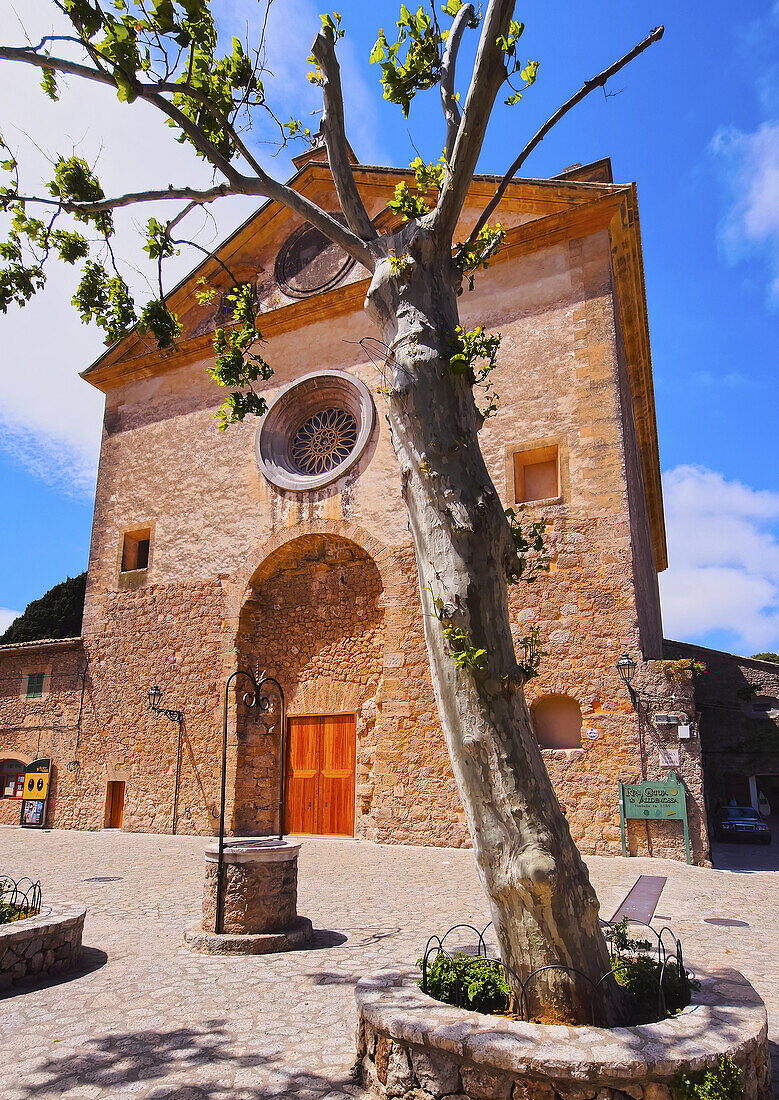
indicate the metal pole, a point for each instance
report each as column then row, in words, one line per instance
column 220, row 864
column 220, row 890
column 178, row 776
column 265, row 705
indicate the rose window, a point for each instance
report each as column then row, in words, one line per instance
column 324, row 440
column 315, row 431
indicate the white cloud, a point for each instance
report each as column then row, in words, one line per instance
column 724, row 559
column 752, row 167
column 6, row 618
column 49, row 418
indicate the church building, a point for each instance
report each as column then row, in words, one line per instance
column 282, row 545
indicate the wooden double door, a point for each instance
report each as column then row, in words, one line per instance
column 319, row 775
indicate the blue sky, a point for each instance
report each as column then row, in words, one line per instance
column 695, row 121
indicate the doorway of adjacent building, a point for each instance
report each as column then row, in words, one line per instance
column 115, row 804
column 319, row 775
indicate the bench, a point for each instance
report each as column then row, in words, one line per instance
column 641, row 900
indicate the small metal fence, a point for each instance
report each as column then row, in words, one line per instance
column 666, row 953
column 19, row 898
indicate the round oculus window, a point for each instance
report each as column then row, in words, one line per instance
column 309, row 263
column 315, row 431
column 324, row 441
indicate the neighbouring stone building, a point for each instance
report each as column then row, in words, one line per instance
column 285, row 544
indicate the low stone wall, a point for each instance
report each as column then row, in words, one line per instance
column 416, row 1048
column 47, row 944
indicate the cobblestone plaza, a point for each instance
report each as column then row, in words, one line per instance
column 147, row 1019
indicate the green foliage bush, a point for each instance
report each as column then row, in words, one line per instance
column 722, row 1083
column 57, row 614
column 475, row 983
column 640, row 975
column 10, row 913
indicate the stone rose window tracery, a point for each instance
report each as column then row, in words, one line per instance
column 324, row 440
column 315, row 431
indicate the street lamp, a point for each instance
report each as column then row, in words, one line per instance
column 154, row 695
column 626, row 667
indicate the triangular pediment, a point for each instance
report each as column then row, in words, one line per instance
column 290, row 263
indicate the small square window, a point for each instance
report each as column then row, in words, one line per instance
column 536, row 475
column 135, row 550
column 35, row 685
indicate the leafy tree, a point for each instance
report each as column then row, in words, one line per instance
column 766, row 657
column 166, row 53
column 57, row 614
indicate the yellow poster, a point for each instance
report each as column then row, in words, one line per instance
column 36, row 783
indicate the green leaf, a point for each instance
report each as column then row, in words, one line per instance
column 530, row 72
column 49, row 84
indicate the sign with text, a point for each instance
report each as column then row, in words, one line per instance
column 654, row 799
column 36, row 791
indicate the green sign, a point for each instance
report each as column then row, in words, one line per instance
column 654, row 799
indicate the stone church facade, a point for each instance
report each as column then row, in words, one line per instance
column 284, row 545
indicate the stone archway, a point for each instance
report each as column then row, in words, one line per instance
column 313, row 617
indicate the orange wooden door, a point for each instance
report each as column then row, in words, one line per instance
column 336, row 775
column 301, row 775
column 115, row 804
column 319, row 782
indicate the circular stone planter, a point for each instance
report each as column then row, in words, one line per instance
column 260, row 899
column 412, row 1046
column 47, row 944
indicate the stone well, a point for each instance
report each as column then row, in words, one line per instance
column 49, row 943
column 260, row 899
column 412, row 1046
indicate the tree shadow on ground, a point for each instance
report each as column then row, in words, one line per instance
column 92, row 958
column 199, row 1057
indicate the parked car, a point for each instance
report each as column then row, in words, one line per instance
column 740, row 823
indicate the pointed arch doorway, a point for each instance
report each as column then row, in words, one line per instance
column 320, row 775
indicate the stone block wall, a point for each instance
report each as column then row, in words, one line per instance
column 321, row 588
column 49, row 726
column 47, row 944
column 738, row 701
column 411, row 1047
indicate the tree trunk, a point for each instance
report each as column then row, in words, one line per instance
column 543, row 906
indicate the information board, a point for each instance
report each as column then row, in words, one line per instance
column 36, row 792
column 654, row 799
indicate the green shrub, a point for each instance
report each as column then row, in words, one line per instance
column 618, row 935
column 10, row 913
column 722, row 1083
column 57, row 614
column 640, row 975
column 479, row 984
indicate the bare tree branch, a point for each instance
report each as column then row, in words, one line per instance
column 489, row 73
column 331, row 227
column 596, row 82
column 29, row 56
column 465, row 15
column 261, row 185
column 334, row 133
column 148, row 92
column 132, row 199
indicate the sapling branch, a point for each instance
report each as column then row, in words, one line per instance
column 588, row 86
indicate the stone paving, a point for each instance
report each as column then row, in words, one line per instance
column 147, row 1019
